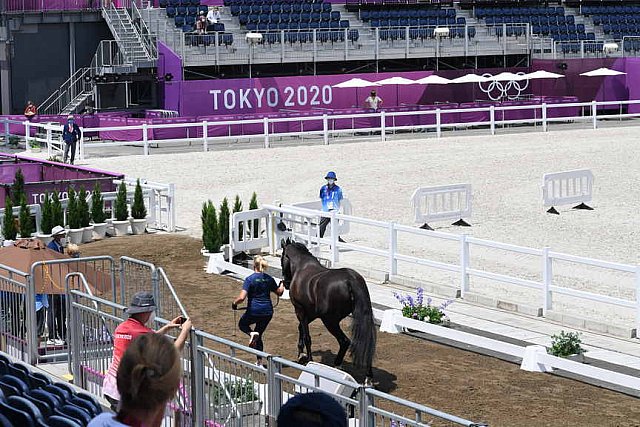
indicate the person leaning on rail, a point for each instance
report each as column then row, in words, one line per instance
column 141, row 317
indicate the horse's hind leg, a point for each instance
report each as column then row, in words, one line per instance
column 334, row 328
column 302, row 358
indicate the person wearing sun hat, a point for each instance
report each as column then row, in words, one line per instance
column 141, row 314
column 57, row 233
column 331, row 196
column 54, row 304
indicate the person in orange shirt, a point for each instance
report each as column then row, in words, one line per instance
column 30, row 111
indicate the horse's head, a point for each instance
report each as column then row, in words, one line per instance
column 285, row 263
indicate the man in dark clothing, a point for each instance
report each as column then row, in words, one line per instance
column 57, row 304
column 70, row 135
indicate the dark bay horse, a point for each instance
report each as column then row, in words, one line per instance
column 330, row 295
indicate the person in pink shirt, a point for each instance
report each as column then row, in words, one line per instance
column 141, row 315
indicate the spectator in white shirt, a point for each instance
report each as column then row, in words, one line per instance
column 213, row 16
column 373, row 101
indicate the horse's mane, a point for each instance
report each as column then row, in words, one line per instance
column 301, row 247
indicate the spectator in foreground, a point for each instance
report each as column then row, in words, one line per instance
column 148, row 377
column 373, row 101
column 312, row 410
column 141, row 316
column 257, row 288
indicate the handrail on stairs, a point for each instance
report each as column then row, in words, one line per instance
column 145, row 33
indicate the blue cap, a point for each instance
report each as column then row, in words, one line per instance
column 331, row 175
column 312, row 410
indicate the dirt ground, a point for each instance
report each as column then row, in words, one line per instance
column 466, row 384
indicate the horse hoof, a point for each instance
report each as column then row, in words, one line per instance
column 302, row 359
column 368, row 382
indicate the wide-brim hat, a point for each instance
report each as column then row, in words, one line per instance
column 58, row 230
column 142, row 302
column 331, row 175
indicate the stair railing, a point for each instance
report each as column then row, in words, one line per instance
column 74, row 86
column 147, row 37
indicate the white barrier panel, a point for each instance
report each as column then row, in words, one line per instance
column 250, row 230
column 566, row 188
column 445, row 202
column 345, row 208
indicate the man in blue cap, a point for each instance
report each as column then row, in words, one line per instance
column 312, row 410
column 331, row 196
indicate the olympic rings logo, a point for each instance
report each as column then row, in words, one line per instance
column 497, row 91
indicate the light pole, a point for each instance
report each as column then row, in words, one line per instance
column 252, row 39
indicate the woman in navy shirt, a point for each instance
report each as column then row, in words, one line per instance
column 258, row 288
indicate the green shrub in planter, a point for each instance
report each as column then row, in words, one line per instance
column 223, row 221
column 57, row 215
column 255, row 227
column 210, row 231
column 97, row 206
column 73, row 212
column 83, row 208
column 240, row 390
column 138, row 210
column 17, row 189
column 9, row 231
column 46, row 222
column 566, row 344
column 121, row 211
column 26, row 225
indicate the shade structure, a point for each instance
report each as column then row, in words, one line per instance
column 49, row 279
column 433, row 80
column 395, row 81
column 602, row 72
column 541, row 74
column 355, row 83
column 504, row 77
column 470, row 78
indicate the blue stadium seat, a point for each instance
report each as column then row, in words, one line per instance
column 181, row 10
column 471, row 32
column 326, row 7
column 15, row 383
column 251, row 27
column 171, row 11
column 344, row 23
column 190, row 21
column 26, row 406
column 58, row 421
column 79, row 415
column 353, row 35
column 179, row 21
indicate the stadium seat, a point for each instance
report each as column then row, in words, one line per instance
column 26, row 406
column 5, row 422
column 45, row 409
column 81, row 416
column 50, row 399
column 63, row 394
column 58, row 421
column 16, row 416
column 18, row 384
column 18, row 371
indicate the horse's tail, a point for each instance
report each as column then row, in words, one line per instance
column 363, row 329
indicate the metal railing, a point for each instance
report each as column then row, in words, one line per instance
column 40, row 6
column 73, row 87
column 148, row 39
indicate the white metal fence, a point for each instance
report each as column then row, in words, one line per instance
column 546, row 285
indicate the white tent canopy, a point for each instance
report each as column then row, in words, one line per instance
column 355, row 83
column 601, row 72
column 395, row 81
column 433, row 80
column 470, row 78
column 541, row 74
column 504, row 77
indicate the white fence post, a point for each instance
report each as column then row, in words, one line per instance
column 325, row 129
column 266, row 132
column 48, row 128
column 145, row 139
column 81, row 144
column 6, row 131
column 335, row 253
column 383, row 125
column 547, row 280
column 438, row 123
column 205, row 136
column 594, row 114
column 393, row 248
column 27, row 136
column 464, row 265
column 544, row 117
column 637, row 279
column 492, row 119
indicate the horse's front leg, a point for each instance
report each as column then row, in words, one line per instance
column 302, row 358
column 307, row 339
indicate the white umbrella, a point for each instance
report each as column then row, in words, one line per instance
column 541, row 74
column 356, row 83
column 470, row 78
column 433, row 80
column 504, row 77
column 603, row 72
column 396, row 81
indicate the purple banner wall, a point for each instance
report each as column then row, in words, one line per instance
column 42, row 176
column 169, row 63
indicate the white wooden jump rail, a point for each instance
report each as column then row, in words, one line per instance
column 464, row 267
column 567, row 188
column 386, row 123
column 442, row 203
column 534, row 357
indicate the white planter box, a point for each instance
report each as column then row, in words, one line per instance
column 99, row 230
column 87, row 234
column 138, row 226
column 121, row 228
column 44, row 238
column 245, row 409
column 75, row 235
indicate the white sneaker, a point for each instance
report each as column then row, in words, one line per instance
column 253, row 339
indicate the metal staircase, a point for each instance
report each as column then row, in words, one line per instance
column 138, row 51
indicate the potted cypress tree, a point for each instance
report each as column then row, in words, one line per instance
column 210, row 232
column 17, row 189
column 26, row 226
column 85, row 218
column 46, row 222
column 9, row 231
column 138, row 211
column 97, row 213
column 57, row 215
column 73, row 218
column 121, row 223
